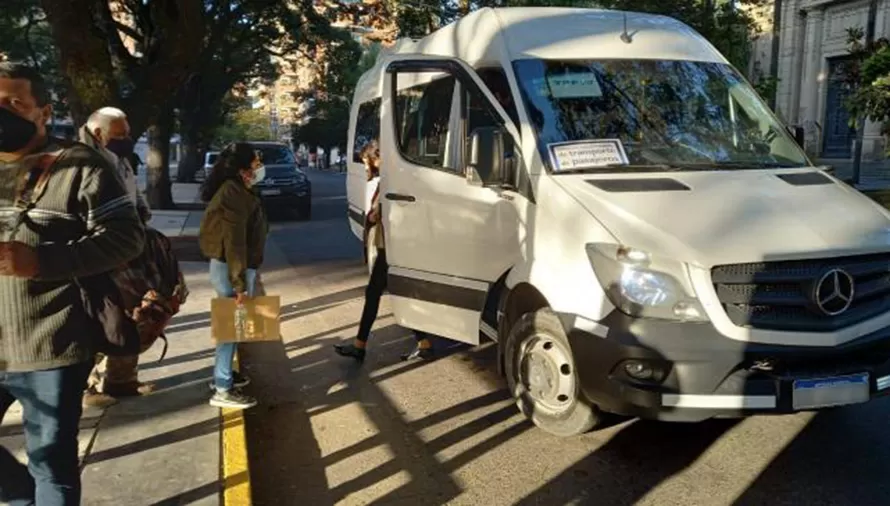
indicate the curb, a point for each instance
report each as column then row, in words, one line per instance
column 236, row 490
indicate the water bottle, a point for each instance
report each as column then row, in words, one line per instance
column 240, row 321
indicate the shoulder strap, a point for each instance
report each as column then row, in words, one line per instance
column 32, row 187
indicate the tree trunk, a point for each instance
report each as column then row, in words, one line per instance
column 191, row 159
column 84, row 60
column 86, row 39
column 159, row 192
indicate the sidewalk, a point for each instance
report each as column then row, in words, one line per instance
column 164, row 448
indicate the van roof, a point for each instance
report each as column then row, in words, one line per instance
column 491, row 36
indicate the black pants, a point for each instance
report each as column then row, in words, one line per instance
column 373, row 293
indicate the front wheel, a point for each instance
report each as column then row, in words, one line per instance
column 541, row 376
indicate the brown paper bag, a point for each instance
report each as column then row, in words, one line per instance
column 262, row 322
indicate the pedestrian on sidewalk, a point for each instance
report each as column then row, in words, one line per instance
column 66, row 217
column 379, row 272
column 107, row 131
column 233, row 236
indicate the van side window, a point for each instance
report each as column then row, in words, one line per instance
column 422, row 115
column 477, row 113
column 367, row 127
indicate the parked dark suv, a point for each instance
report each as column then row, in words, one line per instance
column 285, row 187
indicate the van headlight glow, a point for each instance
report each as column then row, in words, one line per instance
column 642, row 286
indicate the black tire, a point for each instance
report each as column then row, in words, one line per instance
column 573, row 413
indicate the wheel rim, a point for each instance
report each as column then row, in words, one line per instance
column 547, row 374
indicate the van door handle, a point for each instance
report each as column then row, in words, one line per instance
column 399, row 197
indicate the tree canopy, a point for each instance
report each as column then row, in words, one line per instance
column 868, row 76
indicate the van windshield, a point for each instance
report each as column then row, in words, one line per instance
column 639, row 115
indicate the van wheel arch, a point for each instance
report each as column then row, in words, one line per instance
column 523, row 298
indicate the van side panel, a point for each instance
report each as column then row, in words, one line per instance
column 353, row 178
column 365, row 111
column 554, row 259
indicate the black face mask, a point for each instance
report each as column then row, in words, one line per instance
column 123, row 148
column 15, row 131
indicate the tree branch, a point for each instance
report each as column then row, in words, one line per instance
column 121, row 56
column 127, row 30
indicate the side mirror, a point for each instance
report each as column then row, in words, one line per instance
column 486, row 157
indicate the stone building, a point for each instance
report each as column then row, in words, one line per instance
column 813, row 50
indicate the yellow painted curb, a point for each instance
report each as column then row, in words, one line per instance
column 235, row 469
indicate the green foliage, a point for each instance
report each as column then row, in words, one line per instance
column 868, row 76
column 766, row 85
column 332, row 92
column 244, row 125
column 25, row 36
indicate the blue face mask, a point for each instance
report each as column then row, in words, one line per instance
column 258, row 175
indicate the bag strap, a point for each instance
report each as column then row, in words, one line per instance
column 32, row 188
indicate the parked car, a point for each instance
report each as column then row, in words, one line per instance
column 285, row 187
column 209, row 160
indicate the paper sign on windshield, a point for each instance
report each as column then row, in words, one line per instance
column 575, row 86
column 580, row 85
column 587, row 154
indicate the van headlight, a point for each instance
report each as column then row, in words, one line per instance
column 643, row 286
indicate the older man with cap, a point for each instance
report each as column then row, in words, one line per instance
column 108, row 131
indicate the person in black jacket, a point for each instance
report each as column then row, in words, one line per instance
column 377, row 283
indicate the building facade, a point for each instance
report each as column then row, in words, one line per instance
column 813, row 52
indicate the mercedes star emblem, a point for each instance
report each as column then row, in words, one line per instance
column 834, row 292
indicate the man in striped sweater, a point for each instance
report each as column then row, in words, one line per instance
column 80, row 223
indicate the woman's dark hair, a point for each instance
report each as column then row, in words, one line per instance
column 18, row 70
column 372, row 151
column 231, row 161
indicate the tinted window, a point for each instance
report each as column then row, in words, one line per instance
column 479, row 113
column 211, row 158
column 367, row 127
column 276, row 155
column 422, row 116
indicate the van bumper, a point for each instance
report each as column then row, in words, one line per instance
column 701, row 374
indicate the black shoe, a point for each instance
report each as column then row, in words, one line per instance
column 419, row 353
column 350, row 350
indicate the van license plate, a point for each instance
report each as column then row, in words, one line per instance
column 825, row 392
column 271, row 191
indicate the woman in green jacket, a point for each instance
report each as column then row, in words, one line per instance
column 233, row 236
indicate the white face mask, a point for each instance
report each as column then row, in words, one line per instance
column 258, row 175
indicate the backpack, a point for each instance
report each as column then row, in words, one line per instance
column 153, row 289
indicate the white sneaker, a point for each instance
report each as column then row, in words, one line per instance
column 233, row 399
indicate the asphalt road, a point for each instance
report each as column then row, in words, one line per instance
column 328, row 431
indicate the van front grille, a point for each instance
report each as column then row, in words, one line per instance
column 783, row 295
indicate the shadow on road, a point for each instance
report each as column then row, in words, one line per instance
column 839, row 458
